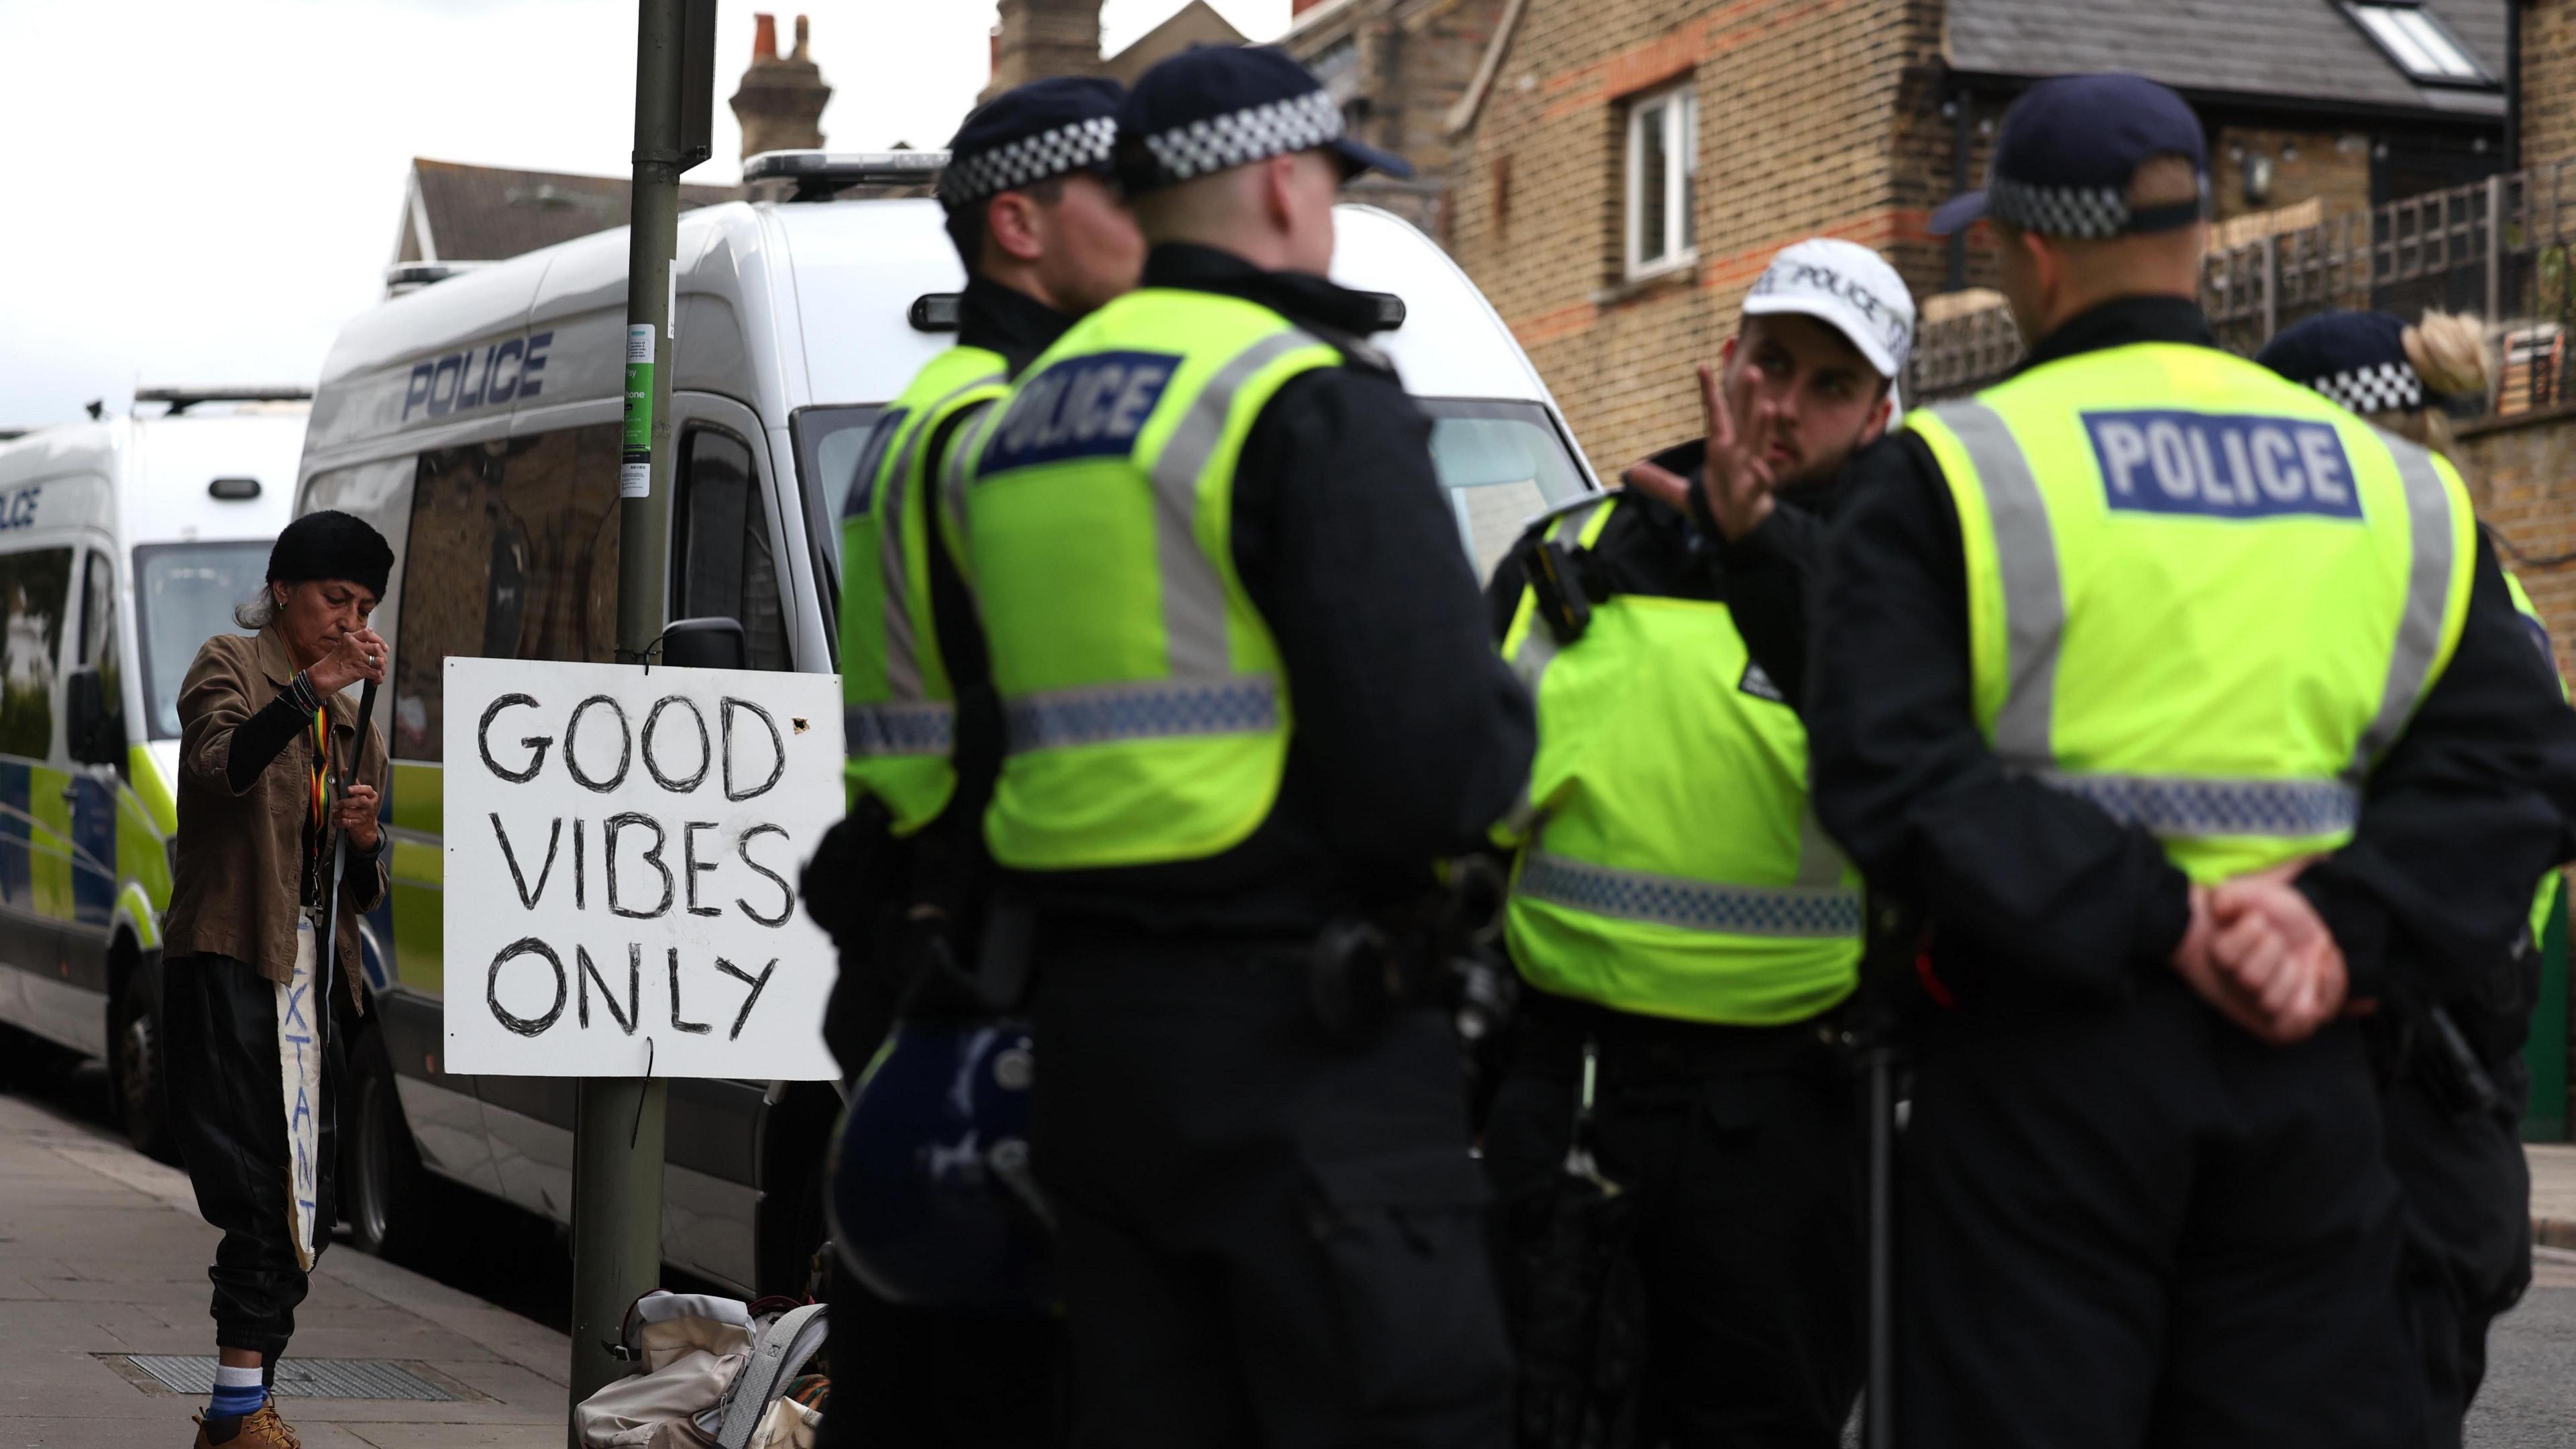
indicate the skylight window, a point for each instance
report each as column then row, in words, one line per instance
column 2418, row 42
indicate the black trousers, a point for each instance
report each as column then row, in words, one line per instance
column 918, row 1378
column 2467, row 1192
column 228, row 1113
column 2140, row 1226
column 1740, row 1149
column 1265, row 1238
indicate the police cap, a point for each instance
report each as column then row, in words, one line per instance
column 1032, row 133
column 2066, row 154
column 1212, row 108
column 2357, row 359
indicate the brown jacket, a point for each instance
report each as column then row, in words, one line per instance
column 239, row 884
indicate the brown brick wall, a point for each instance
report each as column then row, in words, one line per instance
column 1043, row 38
column 1798, row 103
column 2332, row 167
column 2548, row 81
column 2522, row 475
column 1415, row 59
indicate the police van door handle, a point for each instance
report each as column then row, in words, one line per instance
column 71, row 790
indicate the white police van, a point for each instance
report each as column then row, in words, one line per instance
column 124, row 543
column 475, row 422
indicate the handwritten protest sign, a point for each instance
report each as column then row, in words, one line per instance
column 622, row 857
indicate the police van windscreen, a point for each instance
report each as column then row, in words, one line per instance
column 183, row 594
column 1502, row 462
column 829, row 441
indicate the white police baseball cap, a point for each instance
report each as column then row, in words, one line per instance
column 1849, row 288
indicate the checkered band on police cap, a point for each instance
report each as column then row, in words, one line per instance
column 1083, row 145
column 1239, row 138
column 2088, row 212
column 2381, row 387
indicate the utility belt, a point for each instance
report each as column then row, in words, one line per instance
column 1441, row 951
column 1634, row 1052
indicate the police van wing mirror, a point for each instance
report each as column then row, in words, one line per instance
column 705, row 644
column 87, row 725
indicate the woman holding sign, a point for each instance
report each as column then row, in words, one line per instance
column 265, row 738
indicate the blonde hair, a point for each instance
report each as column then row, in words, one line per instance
column 2448, row 351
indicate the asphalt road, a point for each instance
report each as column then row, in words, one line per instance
column 2530, row 1394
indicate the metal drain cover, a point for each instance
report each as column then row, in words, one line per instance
column 307, row 1378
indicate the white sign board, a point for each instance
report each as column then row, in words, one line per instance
column 622, row 858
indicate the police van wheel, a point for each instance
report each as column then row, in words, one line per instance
column 380, row 1172
column 140, row 1068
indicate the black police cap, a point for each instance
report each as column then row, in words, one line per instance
column 1032, row 133
column 1212, row 108
column 2067, row 152
column 2357, row 359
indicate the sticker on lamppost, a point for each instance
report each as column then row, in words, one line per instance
column 622, row 856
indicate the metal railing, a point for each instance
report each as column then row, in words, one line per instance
column 2501, row 249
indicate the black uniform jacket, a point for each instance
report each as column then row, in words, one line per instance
column 1652, row 548
column 2459, row 820
column 874, row 876
column 1410, row 737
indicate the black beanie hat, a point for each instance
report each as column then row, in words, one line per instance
column 331, row 545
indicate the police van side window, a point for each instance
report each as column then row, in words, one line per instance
column 34, row 588
column 727, row 567
column 513, row 555
column 98, row 642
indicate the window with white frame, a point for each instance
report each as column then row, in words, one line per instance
column 1663, row 166
column 2417, row 40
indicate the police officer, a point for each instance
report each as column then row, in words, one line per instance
column 1675, row 911
column 1033, row 209
column 2454, row 1142
column 1247, row 694
column 2175, row 697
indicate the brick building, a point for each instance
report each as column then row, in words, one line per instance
column 1037, row 38
column 1399, row 68
column 1621, row 169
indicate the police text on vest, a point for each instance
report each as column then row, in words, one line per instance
column 2222, row 466
column 1090, row 405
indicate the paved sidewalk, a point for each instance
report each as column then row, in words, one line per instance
column 102, row 1254
column 2553, row 1193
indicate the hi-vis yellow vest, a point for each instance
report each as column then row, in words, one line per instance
column 1670, row 865
column 2200, row 596
column 1145, row 709
column 898, row 707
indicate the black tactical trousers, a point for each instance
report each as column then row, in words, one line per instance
column 228, row 1113
column 1264, row 1237
column 920, row 1378
column 1739, row 1150
column 2467, row 1192
column 2141, row 1226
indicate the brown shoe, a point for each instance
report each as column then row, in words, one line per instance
column 260, row 1430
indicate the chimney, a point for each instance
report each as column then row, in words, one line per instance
column 1300, row 7
column 780, row 103
column 1038, row 38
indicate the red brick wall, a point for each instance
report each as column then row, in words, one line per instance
column 2522, row 474
column 1799, row 105
column 2548, row 81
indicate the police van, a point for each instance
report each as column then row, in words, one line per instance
column 124, row 543
column 475, row 421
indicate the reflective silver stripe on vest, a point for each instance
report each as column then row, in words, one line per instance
column 903, row 664
column 2428, row 603
column 1633, row 895
column 1194, row 613
column 2176, row 807
column 924, row 727
column 1240, row 704
column 2026, row 557
column 1538, row 650
column 959, row 468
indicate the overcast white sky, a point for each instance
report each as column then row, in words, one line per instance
column 202, row 193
